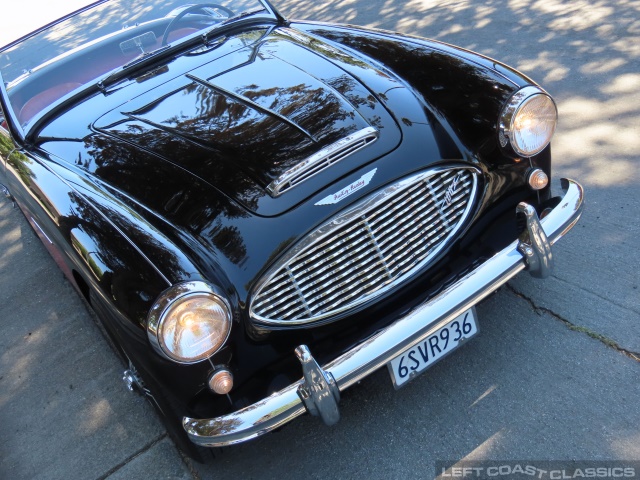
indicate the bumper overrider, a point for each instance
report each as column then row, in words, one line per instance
column 318, row 392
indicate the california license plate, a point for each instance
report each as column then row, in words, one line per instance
column 422, row 355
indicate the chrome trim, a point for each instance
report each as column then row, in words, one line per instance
column 509, row 112
column 325, row 234
column 39, row 229
column 355, row 364
column 534, row 244
column 319, row 391
column 173, row 294
column 132, row 381
column 321, row 160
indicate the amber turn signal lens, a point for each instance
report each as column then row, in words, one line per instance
column 537, row 179
column 221, row 382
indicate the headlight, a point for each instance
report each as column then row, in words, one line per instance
column 528, row 121
column 189, row 322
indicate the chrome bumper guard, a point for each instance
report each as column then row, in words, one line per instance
column 319, row 390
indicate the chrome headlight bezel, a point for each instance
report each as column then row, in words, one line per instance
column 172, row 297
column 509, row 115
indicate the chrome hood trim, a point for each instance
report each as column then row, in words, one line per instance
column 321, row 160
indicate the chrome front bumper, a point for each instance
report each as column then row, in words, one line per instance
column 318, row 391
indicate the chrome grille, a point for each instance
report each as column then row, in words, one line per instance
column 367, row 249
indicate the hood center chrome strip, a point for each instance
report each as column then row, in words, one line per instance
column 321, row 160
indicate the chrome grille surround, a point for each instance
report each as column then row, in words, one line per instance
column 321, row 160
column 367, row 249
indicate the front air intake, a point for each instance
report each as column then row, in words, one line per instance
column 367, row 249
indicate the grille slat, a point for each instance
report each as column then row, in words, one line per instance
column 357, row 287
column 388, row 234
column 311, row 283
column 366, row 250
column 322, row 300
column 354, row 261
column 390, row 237
column 290, row 292
column 393, row 205
column 276, row 284
column 348, row 262
column 353, row 244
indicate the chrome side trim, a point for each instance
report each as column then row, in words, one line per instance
column 321, row 160
column 284, row 405
column 39, row 229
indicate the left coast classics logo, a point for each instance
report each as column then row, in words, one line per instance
column 362, row 182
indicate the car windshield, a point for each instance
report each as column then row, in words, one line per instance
column 50, row 64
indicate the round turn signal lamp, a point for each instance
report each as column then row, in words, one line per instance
column 537, row 179
column 221, row 382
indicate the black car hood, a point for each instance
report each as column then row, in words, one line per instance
column 237, row 116
column 191, row 146
column 242, row 120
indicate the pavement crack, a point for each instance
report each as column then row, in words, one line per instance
column 189, row 464
column 144, row 449
column 572, row 326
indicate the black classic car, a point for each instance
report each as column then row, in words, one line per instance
column 261, row 211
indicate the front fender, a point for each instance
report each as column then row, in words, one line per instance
column 463, row 90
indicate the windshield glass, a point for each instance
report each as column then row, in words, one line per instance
column 49, row 65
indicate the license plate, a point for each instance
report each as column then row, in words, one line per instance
column 422, row 355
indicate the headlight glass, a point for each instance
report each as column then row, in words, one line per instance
column 189, row 323
column 529, row 121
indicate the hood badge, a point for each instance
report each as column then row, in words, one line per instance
column 359, row 184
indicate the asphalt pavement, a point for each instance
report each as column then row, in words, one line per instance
column 553, row 375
